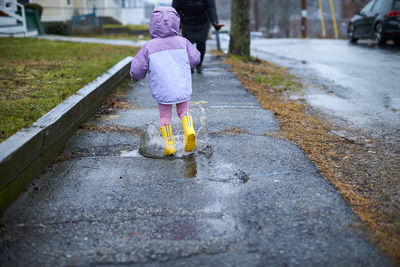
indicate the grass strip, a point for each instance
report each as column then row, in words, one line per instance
column 124, row 36
column 366, row 172
column 36, row 75
column 144, row 27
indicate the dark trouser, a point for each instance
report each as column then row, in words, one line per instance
column 202, row 49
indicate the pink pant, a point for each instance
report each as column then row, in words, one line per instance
column 166, row 112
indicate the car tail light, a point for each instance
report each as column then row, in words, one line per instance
column 393, row 14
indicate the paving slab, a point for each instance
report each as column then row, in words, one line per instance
column 247, row 199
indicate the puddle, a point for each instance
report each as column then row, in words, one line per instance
column 219, row 178
column 222, row 180
column 228, row 173
column 340, row 107
column 205, row 169
column 152, row 144
column 331, row 102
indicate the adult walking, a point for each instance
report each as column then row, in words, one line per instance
column 196, row 17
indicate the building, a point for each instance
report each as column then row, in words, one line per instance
column 15, row 20
column 124, row 11
column 61, row 10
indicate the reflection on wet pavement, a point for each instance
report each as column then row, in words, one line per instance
column 190, row 167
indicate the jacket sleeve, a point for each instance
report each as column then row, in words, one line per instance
column 211, row 11
column 193, row 54
column 139, row 65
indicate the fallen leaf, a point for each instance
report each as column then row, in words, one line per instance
column 133, row 233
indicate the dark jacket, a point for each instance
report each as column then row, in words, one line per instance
column 196, row 16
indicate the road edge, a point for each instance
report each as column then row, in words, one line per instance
column 24, row 155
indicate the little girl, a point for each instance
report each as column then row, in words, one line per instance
column 169, row 59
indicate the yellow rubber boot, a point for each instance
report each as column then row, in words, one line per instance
column 190, row 134
column 169, row 145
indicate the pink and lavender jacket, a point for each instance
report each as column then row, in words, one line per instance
column 168, row 58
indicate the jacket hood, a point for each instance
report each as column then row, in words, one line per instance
column 164, row 22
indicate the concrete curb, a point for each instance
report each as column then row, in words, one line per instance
column 25, row 154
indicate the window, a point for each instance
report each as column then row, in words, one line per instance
column 396, row 5
column 379, row 5
column 368, row 7
column 69, row 2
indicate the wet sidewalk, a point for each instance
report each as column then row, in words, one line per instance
column 246, row 199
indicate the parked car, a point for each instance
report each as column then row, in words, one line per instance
column 257, row 35
column 379, row 20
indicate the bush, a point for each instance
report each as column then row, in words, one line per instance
column 58, row 28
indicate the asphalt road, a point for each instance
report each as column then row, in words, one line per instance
column 244, row 199
column 357, row 83
column 352, row 85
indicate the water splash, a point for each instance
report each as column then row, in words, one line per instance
column 202, row 132
column 152, row 144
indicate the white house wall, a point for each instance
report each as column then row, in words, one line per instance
column 133, row 13
column 107, row 8
column 60, row 10
column 133, row 16
column 7, row 21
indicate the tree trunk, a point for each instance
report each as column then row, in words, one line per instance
column 239, row 43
